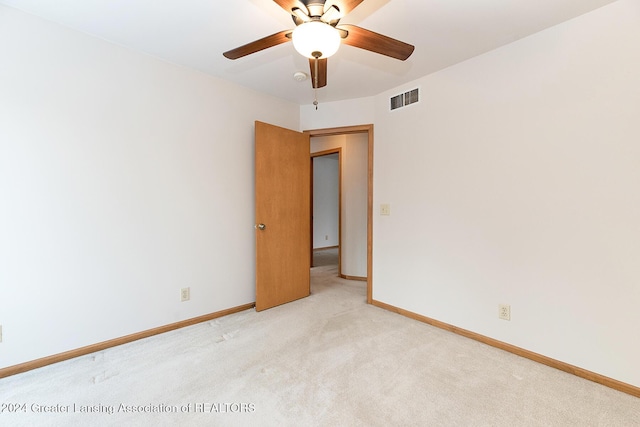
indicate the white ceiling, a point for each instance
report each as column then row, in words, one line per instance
column 194, row 33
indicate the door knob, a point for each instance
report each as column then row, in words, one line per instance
column 260, row 227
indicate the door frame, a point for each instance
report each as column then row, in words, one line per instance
column 368, row 129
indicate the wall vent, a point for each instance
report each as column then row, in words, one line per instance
column 405, row 99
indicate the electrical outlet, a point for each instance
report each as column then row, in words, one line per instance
column 185, row 294
column 504, row 311
column 0, row 333
column 385, row 209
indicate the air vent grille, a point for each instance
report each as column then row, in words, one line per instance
column 397, row 102
column 404, row 99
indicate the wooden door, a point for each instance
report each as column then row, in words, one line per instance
column 283, row 215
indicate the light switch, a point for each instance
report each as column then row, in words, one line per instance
column 385, row 209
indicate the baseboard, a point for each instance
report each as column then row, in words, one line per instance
column 579, row 372
column 39, row 363
column 359, row 278
column 325, row 248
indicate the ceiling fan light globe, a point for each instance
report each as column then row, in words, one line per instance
column 316, row 36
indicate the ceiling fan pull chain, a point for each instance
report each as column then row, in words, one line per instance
column 315, row 83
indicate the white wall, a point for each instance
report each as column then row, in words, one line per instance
column 122, row 179
column 515, row 180
column 353, row 247
column 336, row 114
column 326, row 197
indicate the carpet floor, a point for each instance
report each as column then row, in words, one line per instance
column 326, row 360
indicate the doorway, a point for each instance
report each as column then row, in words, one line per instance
column 282, row 177
column 365, row 132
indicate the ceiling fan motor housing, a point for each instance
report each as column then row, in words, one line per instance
column 315, row 8
column 315, row 11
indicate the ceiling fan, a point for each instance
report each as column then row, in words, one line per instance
column 318, row 36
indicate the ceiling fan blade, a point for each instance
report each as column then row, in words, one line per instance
column 345, row 6
column 374, row 42
column 322, row 72
column 258, row 45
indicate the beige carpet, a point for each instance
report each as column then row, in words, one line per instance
column 325, row 257
column 327, row 360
